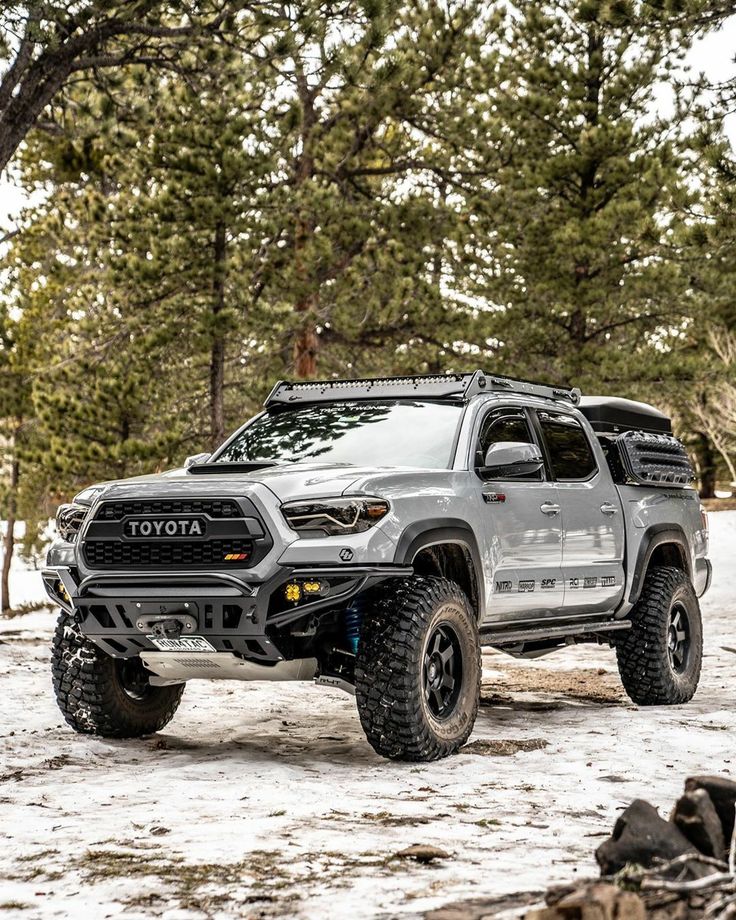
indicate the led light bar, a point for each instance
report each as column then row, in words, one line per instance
column 420, row 386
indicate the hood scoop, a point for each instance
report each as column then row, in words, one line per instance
column 245, row 466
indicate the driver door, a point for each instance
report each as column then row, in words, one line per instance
column 522, row 527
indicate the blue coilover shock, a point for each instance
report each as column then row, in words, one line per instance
column 352, row 619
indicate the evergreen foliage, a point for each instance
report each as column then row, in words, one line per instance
column 239, row 192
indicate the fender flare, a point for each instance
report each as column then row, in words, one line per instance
column 654, row 536
column 430, row 532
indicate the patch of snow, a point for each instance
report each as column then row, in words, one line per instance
column 265, row 799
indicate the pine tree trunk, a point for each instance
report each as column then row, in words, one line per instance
column 306, row 343
column 217, row 350
column 9, row 537
column 706, row 466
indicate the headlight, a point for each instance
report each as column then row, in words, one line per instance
column 335, row 516
column 69, row 520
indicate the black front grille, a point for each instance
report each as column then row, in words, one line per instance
column 104, row 554
column 213, row 507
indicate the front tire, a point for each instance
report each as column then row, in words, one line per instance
column 101, row 695
column 418, row 668
column 660, row 657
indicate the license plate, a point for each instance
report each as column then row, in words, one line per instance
column 184, row 644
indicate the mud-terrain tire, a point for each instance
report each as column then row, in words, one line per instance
column 101, row 695
column 660, row 657
column 417, row 671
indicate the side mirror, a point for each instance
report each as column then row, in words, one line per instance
column 196, row 458
column 511, row 459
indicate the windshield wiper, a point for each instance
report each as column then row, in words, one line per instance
column 237, row 466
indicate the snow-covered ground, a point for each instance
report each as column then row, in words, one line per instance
column 264, row 800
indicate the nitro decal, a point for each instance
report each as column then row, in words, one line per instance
column 526, row 585
column 608, row 581
column 590, row 582
column 503, row 586
column 548, row 583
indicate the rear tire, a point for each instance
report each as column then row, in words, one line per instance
column 100, row 695
column 660, row 657
column 418, row 668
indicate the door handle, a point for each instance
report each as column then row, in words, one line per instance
column 608, row 508
column 549, row 508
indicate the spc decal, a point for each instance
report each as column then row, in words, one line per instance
column 547, row 583
column 526, row 585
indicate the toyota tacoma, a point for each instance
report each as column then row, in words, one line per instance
column 374, row 535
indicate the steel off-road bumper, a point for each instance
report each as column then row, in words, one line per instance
column 239, row 619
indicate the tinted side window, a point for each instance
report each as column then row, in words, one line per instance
column 504, row 425
column 568, row 446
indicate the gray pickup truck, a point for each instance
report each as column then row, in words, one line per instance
column 373, row 535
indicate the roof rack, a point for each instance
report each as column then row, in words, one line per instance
column 419, row 386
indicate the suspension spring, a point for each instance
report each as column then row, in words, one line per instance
column 352, row 620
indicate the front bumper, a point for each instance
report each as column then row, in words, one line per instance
column 234, row 615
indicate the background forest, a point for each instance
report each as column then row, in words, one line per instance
column 229, row 192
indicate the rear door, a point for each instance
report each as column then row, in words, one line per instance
column 522, row 527
column 592, row 516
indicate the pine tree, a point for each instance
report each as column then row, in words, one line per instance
column 46, row 46
column 366, row 110
column 15, row 420
column 707, row 407
column 580, row 282
column 189, row 243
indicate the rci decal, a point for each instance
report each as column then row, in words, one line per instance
column 574, row 583
column 548, row 583
column 591, row 582
column 526, row 586
column 502, row 586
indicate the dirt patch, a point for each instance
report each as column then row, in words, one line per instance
column 485, row 908
column 719, row 504
column 391, row 820
column 585, row 685
column 504, row 747
column 504, row 700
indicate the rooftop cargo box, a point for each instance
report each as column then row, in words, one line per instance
column 610, row 415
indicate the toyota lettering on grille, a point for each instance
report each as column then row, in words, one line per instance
column 164, row 527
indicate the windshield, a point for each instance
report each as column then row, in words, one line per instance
column 365, row 434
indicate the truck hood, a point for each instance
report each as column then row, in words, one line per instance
column 287, row 482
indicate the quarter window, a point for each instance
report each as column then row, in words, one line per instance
column 569, row 451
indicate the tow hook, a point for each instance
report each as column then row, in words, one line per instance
column 167, row 627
